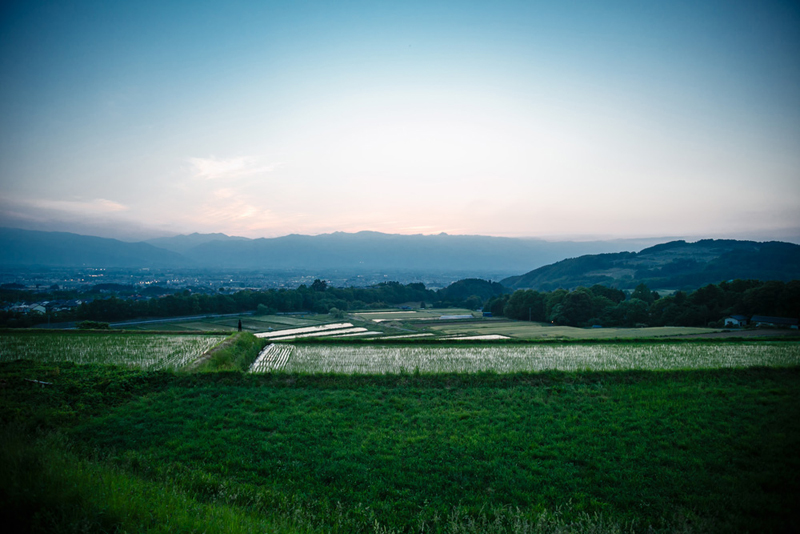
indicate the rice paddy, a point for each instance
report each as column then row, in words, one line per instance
column 161, row 351
column 305, row 331
column 325, row 333
column 377, row 359
column 142, row 351
column 272, row 358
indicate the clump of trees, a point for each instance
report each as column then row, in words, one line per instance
column 469, row 293
column 600, row 305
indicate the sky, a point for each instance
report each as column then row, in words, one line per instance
column 561, row 120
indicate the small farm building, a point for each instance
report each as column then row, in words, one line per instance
column 736, row 320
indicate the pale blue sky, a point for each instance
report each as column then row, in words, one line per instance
column 558, row 119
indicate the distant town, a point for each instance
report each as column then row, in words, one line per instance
column 207, row 280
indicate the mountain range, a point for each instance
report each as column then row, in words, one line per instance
column 362, row 251
column 671, row 265
column 21, row 248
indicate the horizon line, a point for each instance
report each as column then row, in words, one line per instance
column 550, row 238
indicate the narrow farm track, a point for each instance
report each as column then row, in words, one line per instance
column 272, row 358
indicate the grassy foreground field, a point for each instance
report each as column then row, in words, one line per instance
column 109, row 449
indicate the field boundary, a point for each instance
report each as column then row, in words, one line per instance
column 76, row 332
column 207, row 355
column 451, row 380
column 550, row 341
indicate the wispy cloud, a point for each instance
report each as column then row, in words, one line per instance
column 213, row 168
column 88, row 207
column 228, row 208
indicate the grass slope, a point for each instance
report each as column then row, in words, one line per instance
column 692, row 450
column 238, row 352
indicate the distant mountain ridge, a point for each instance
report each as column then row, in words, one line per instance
column 676, row 264
column 378, row 251
column 352, row 252
column 182, row 243
column 673, row 265
column 61, row 249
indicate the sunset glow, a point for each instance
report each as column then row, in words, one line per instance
column 509, row 119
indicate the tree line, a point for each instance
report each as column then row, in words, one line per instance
column 583, row 306
column 604, row 306
column 317, row 298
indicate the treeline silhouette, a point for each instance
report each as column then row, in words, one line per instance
column 595, row 305
column 600, row 305
column 317, row 298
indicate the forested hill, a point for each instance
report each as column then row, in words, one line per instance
column 673, row 265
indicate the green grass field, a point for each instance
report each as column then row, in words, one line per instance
column 710, row 446
column 411, row 315
column 688, row 451
column 527, row 330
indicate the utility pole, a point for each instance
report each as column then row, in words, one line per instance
column 529, row 315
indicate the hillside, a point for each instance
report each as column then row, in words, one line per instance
column 63, row 249
column 673, row 265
